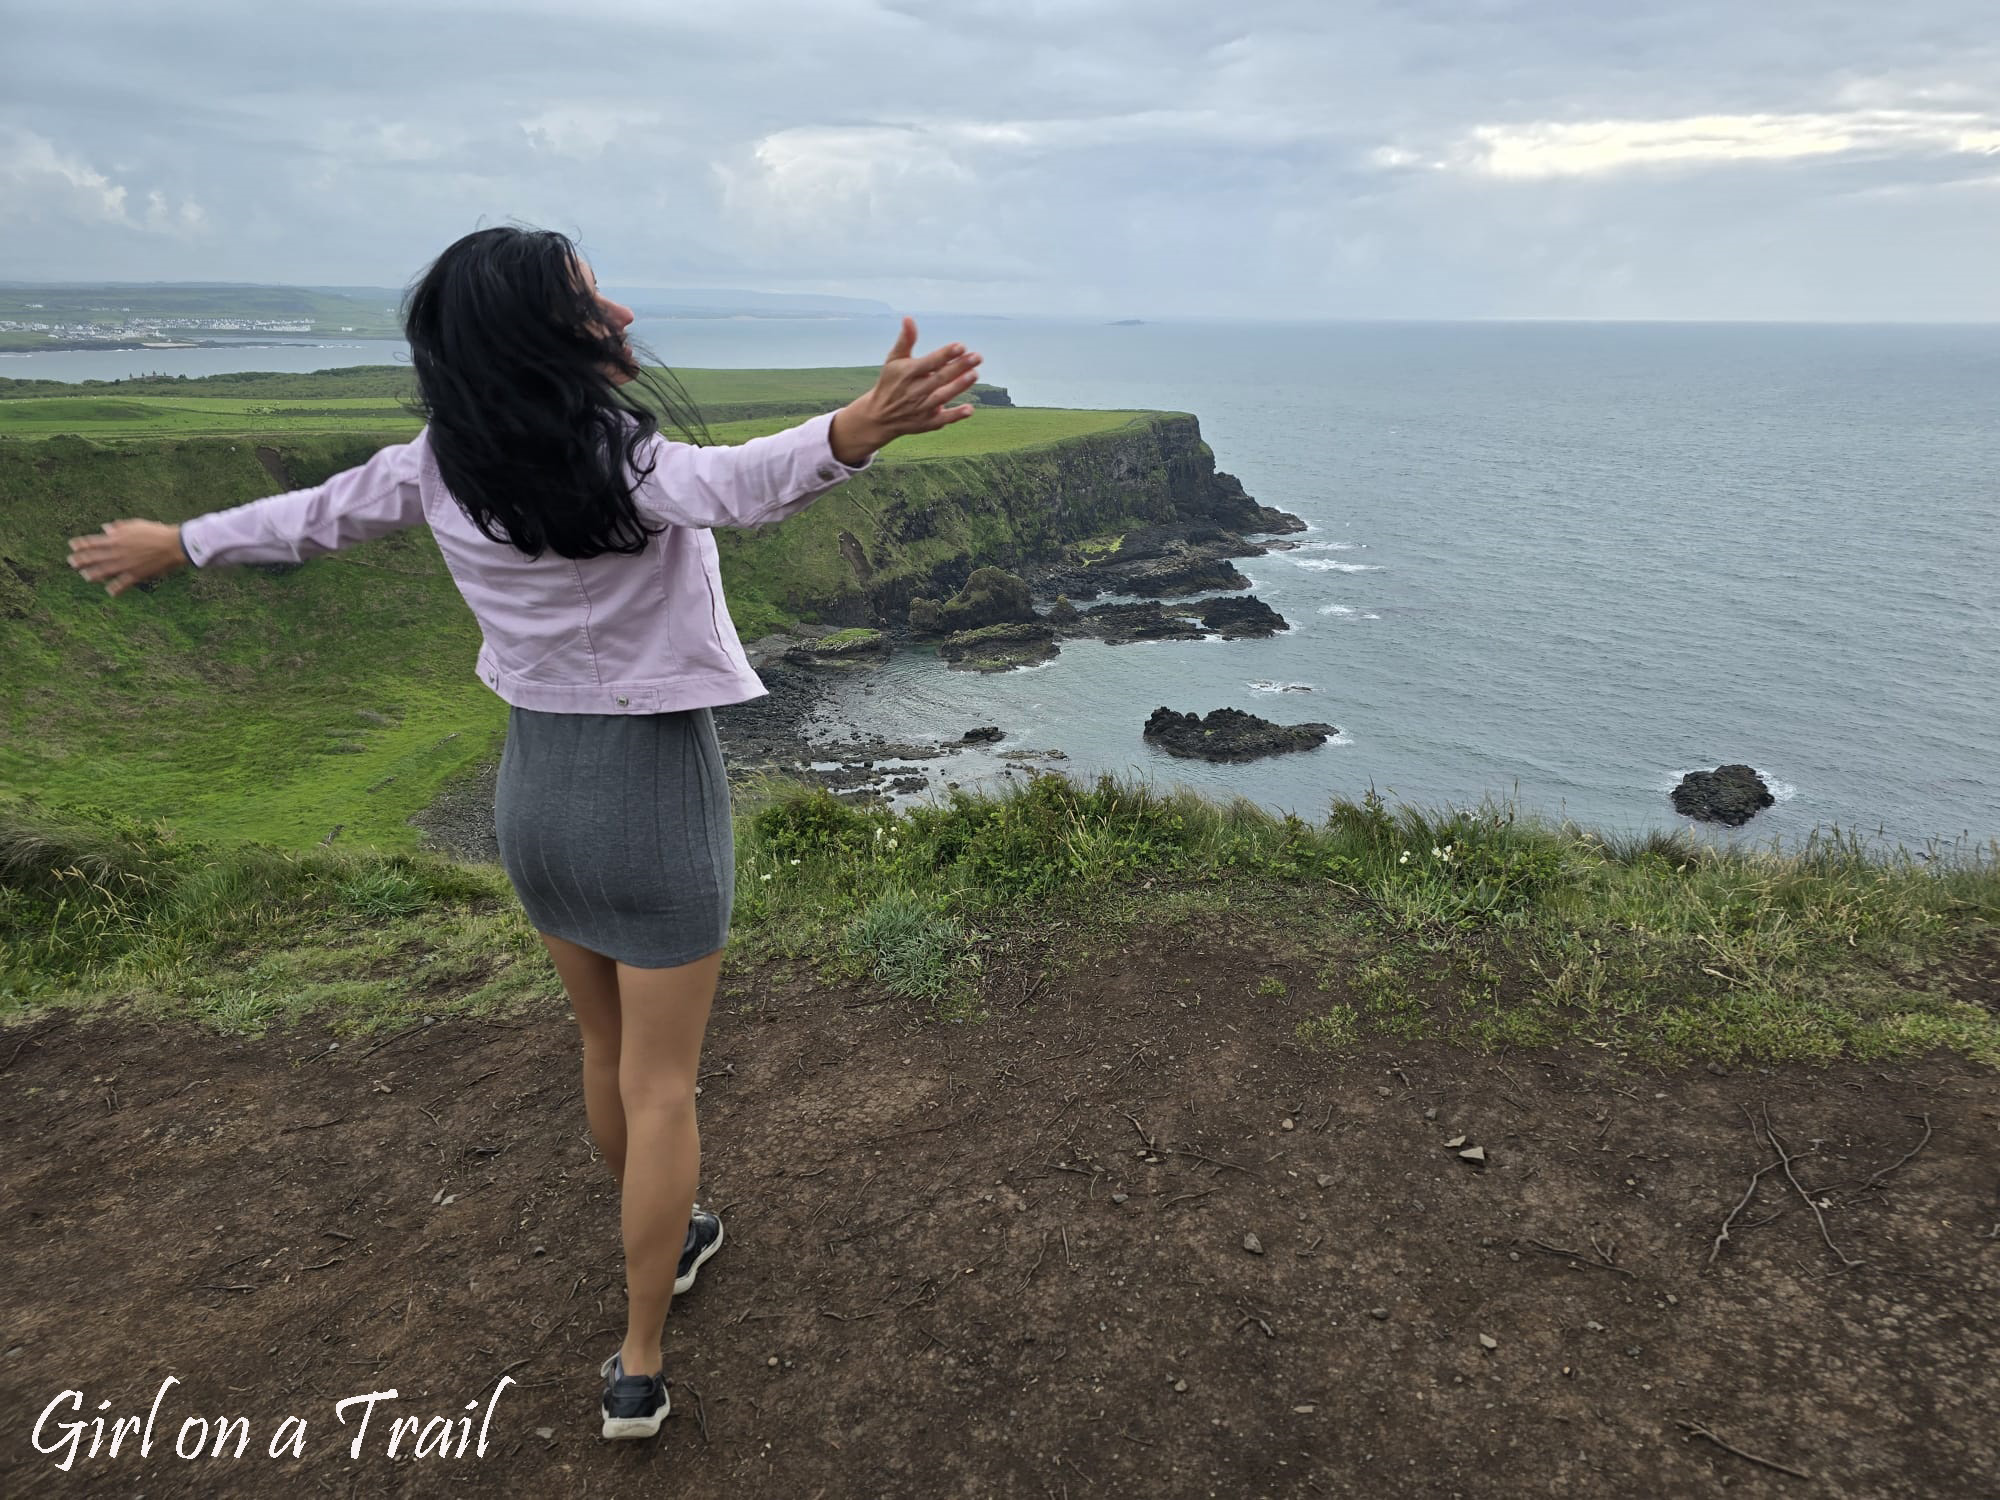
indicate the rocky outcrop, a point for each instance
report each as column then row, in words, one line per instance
column 991, row 596
column 1153, row 562
column 999, row 648
column 1150, row 620
column 1728, row 794
column 1229, row 734
column 920, row 530
column 842, row 648
column 1241, row 619
column 1146, row 621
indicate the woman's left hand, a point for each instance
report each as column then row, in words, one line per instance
column 127, row 552
column 908, row 396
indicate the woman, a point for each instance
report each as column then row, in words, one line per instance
column 579, row 537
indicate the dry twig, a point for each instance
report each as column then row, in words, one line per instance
column 1695, row 1429
column 1895, row 1164
column 1787, row 1159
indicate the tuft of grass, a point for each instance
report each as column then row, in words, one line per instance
column 914, row 950
column 1338, row 1029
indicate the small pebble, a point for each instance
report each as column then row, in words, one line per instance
column 1180, row 1385
column 1487, row 1341
column 1305, row 1410
column 1454, row 1143
column 1378, row 1313
column 1473, row 1153
column 1430, row 1114
column 1119, row 1197
column 1254, row 1245
column 772, row 1361
column 1324, row 1180
column 545, row 1432
column 1284, row 1125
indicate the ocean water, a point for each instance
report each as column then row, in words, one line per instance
column 1554, row 563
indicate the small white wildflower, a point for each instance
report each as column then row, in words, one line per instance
column 892, row 843
column 1405, row 859
column 767, row 877
column 1436, row 853
column 878, row 833
column 798, row 861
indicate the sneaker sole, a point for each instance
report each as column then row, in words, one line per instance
column 682, row 1283
column 635, row 1427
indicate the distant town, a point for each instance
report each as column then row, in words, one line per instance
column 154, row 333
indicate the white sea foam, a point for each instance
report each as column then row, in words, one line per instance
column 1263, row 685
column 1320, row 547
column 1328, row 565
column 1336, row 609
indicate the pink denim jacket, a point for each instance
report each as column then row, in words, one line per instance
column 640, row 634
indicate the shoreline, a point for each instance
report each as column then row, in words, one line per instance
column 769, row 734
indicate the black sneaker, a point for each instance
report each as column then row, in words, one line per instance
column 704, row 1238
column 633, row 1406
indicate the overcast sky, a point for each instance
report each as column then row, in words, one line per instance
column 1831, row 159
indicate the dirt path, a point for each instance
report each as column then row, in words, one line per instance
column 1010, row 1259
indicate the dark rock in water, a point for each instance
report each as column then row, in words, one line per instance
column 1728, row 794
column 1167, row 576
column 1186, row 557
column 991, row 596
column 1063, row 612
column 1148, row 621
column 985, row 734
column 1000, row 648
column 1235, row 618
column 1230, row 734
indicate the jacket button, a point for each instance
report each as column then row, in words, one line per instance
column 621, row 702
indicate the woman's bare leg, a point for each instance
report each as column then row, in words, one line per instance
column 663, row 1015
column 591, row 981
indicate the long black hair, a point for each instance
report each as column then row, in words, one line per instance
column 533, row 436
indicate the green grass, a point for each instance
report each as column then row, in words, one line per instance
column 359, row 665
column 1655, row 951
column 124, row 418
column 991, row 430
column 277, row 403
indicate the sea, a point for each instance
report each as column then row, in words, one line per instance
column 1547, row 565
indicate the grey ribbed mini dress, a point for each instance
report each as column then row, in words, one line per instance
column 614, row 830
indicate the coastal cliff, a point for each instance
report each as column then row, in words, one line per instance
column 910, row 530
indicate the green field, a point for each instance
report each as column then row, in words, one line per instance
column 373, row 401
column 114, row 419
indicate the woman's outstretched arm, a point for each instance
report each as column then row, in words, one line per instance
column 770, row 478
column 355, row 505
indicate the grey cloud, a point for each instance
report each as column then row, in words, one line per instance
column 1267, row 158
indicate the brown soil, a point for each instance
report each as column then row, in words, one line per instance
column 975, row 1277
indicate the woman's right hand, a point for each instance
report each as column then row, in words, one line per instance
column 127, row 552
